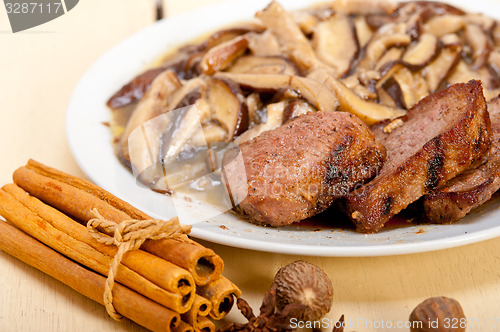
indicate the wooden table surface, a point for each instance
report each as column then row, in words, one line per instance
column 39, row 69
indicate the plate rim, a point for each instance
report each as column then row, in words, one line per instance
column 221, row 237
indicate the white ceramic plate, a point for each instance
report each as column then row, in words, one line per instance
column 90, row 142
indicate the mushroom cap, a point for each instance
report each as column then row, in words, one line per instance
column 304, row 283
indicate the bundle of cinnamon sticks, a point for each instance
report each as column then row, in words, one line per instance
column 172, row 284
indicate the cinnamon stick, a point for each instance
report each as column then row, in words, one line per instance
column 183, row 327
column 38, row 227
column 201, row 307
column 76, row 197
column 220, row 293
column 204, row 325
column 163, row 273
column 90, row 284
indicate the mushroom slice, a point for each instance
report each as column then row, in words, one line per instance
column 392, row 55
column 495, row 33
column 462, row 73
column 486, row 23
column 221, row 56
column 441, row 66
column 367, row 111
column 353, row 83
column 188, row 94
column 350, row 7
column 184, row 123
column 314, row 92
column 420, row 54
column 335, row 43
column 263, row 44
column 251, row 64
column 494, row 61
column 295, row 108
column 274, row 119
column 227, row 109
column 153, row 104
column 226, row 35
column 306, row 20
column 289, row 36
column 444, row 24
column 255, row 109
column 388, row 71
column 411, row 86
column 388, row 36
column 363, row 31
column 480, row 43
column 134, row 90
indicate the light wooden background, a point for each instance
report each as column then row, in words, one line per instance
column 38, row 70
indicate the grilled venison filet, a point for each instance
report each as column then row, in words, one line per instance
column 297, row 170
column 473, row 187
column 441, row 137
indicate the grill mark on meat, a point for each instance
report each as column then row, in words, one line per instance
column 434, row 169
column 473, row 187
column 388, row 205
column 436, row 143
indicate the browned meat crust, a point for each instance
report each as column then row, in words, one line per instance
column 473, row 187
column 441, row 137
column 299, row 169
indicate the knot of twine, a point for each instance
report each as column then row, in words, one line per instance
column 129, row 235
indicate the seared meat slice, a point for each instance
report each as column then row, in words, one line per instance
column 297, row 170
column 473, row 187
column 441, row 137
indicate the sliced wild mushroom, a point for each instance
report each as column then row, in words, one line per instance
column 350, row 7
column 444, row 24
column 363, row 31
column 494, row 61
column 274, row 119
column 221, row 56
column 367, row 111
column 289, row 35
column 387, row 37
column 295, row 108
column 495, row 34
column 256, row 110
column 387, row 71
column 353, row 83
column 306, row 21
column 227, row 109
column 184, row 124
column 188, row 94
column 392, row 55
column 484, row 22
column 263, row 44
column 251, row 64
column 133, row 91
column 314, row 92
column 480, row 44
column 421, row 53
column 153, row 104
column 411, row 86
column 462, row 73
column 335, row 43
column 441, row 66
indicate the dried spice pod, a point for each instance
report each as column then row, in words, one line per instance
column 438, row 314
column 300, row 291
column 302, row 283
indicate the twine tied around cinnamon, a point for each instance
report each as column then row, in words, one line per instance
column 129, row 235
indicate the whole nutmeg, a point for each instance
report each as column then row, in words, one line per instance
column 438, row 314
column 304, row 284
